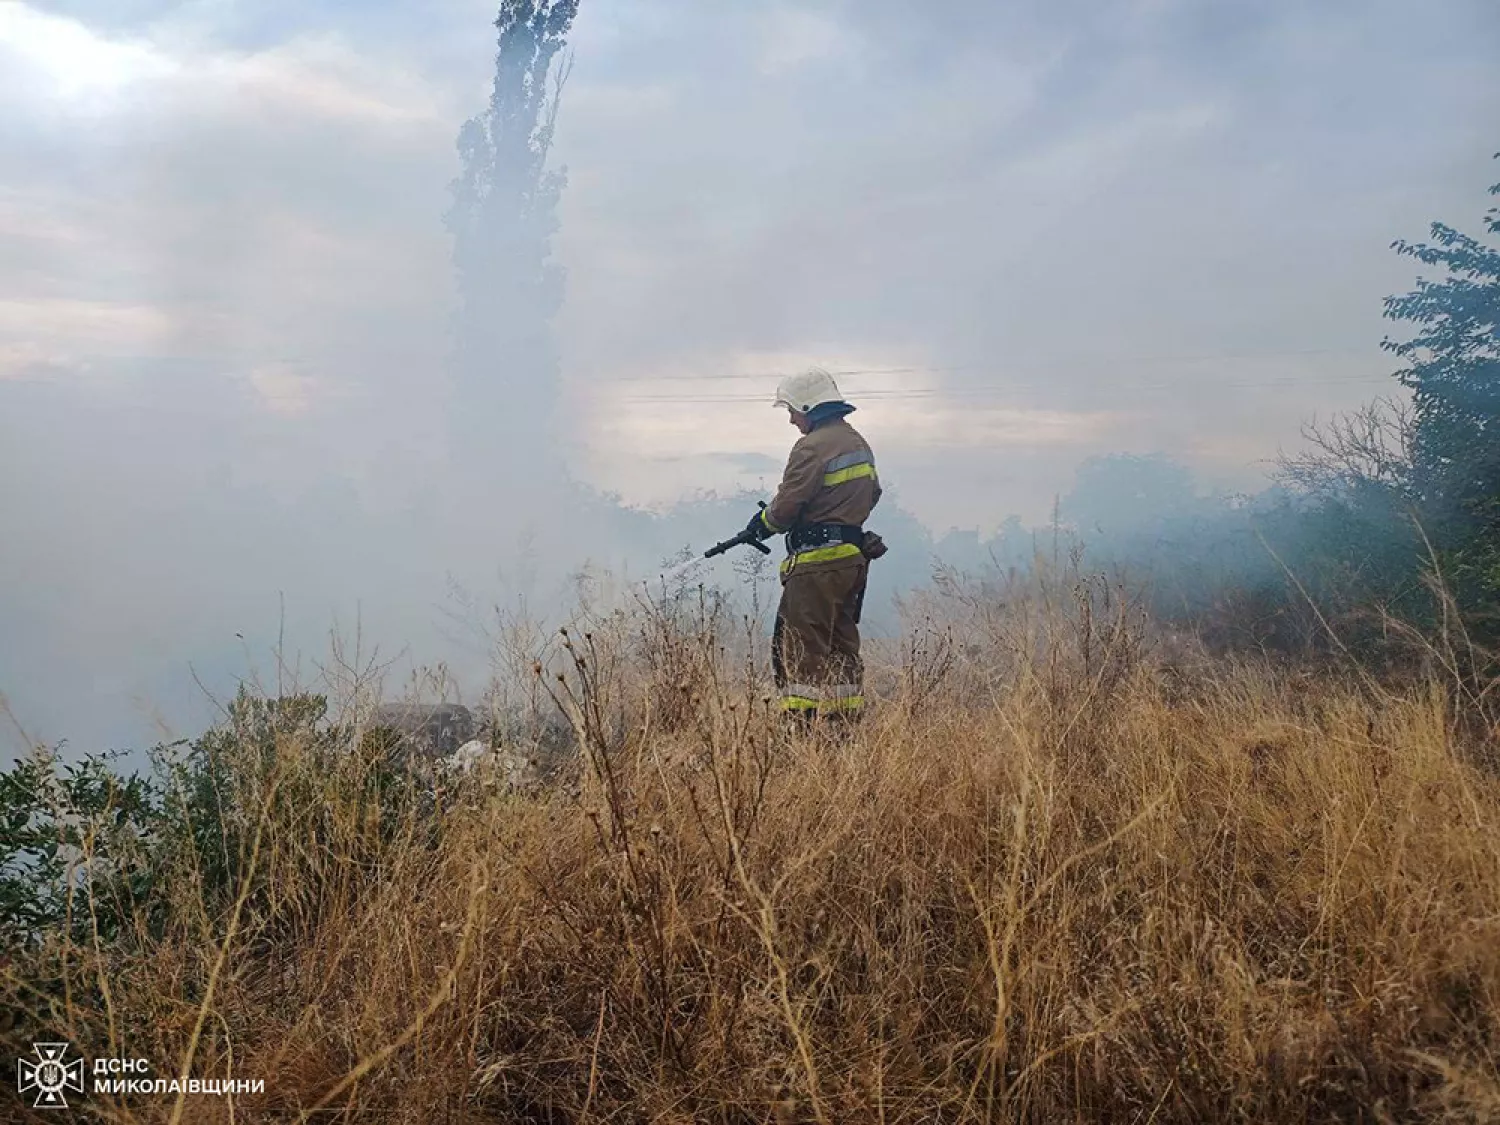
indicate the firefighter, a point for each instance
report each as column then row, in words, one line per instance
column 826, row 494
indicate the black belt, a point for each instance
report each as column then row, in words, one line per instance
column 806, row 536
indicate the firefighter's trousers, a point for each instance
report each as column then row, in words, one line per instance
column 815, row 644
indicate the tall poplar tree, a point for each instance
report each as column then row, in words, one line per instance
column 503, row 216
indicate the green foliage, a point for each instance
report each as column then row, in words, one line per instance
column 217, row 786
column 89, row 854
column 1453, row 371
column 281, row 763
column 75, row 847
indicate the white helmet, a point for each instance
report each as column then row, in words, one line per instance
column 810, row 388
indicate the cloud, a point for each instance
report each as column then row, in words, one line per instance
column 43, row 325
column 284, row 389
column 65, row 64
column 949, row 428
column 72, row 64
column 791, row 38
column 25, row 359
column 175, row 204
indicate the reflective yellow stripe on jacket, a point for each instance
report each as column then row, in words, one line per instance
column 802, row 703
column 848, row 466
column 805, row 697
column 820, row 554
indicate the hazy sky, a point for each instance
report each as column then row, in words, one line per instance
column 1031, row 232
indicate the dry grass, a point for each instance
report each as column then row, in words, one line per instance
column 1051, row 878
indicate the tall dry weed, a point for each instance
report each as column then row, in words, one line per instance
column 1053, row 876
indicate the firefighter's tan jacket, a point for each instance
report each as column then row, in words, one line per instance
column 830, row 478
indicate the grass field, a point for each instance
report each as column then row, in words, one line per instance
column 1063, row 872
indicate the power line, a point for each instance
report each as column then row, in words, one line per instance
column 1008, row 388
column 1089, row 362
column 346, row 393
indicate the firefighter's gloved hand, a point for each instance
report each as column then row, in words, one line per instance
column 756, row 529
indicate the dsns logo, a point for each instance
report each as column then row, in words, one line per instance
column 51, row 1075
